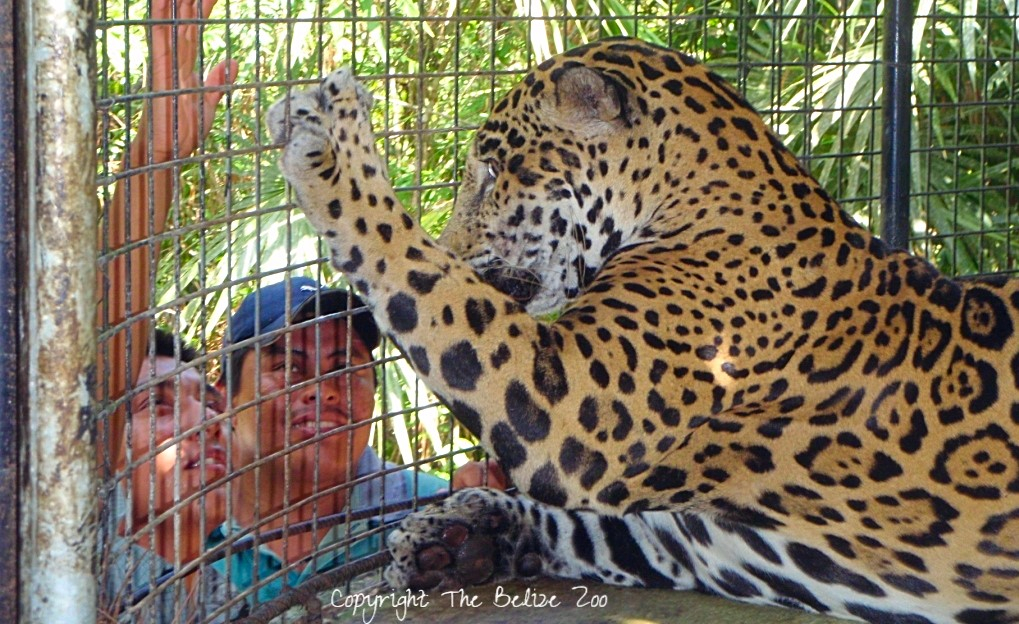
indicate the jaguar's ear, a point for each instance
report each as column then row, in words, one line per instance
column 586, row 99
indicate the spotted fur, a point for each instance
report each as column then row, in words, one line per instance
column 767, row 401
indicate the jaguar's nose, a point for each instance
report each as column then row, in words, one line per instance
column 520, row 284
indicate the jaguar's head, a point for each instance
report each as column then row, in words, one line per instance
column 603, row 147
column 536, row 214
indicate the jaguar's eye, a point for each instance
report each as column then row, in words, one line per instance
column 493, row 167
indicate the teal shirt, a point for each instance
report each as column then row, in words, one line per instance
column 130, row 567
column 401, row 485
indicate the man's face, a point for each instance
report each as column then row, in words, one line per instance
column 152, row 422
column 291, row 393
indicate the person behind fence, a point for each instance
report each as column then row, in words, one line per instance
column 164, row 473
column 152, row 526
column 171, row 128
column 303, row 387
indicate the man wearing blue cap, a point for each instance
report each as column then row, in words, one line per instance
column 299, row 375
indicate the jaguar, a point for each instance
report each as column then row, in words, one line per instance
column 743, row 392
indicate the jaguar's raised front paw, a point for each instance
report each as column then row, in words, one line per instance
column 321, row 127
column 475, row 536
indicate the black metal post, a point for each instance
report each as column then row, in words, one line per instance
column 9, row 409
column 895, row 139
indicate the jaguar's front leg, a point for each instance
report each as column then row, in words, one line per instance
column 327, row 131
column 456, row 330
column 475, row 536
column 340, row 182
column 481, row 535
column 511, row 380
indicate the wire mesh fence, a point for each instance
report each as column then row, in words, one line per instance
column 246, row 449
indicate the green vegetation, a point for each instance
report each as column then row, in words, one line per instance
column 813, row 69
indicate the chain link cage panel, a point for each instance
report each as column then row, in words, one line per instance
column 195, row 217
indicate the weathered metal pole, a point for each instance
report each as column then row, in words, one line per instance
column 57, row 215
column 9, row 481
column 895, row 139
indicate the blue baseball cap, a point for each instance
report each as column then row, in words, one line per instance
column 265, row 310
